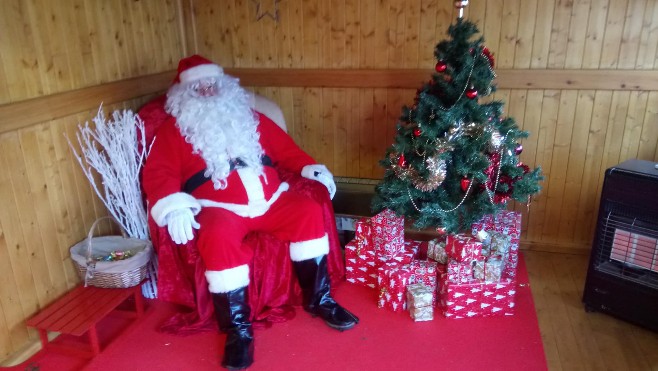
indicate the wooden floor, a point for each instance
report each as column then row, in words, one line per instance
column 577, row 340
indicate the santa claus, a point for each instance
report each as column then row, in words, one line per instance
column 210, row 169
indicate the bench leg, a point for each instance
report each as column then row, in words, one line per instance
column 139, row 302
column 43, row 335
column 93, row 340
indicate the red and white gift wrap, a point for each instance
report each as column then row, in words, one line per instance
column 458, row 272
column 463, row 248
column 425, row 272
column 360, row 264
column 508, row 223
column 477, row 299
column 635, row 249
column 393, row 279
column 388, row 233
column 360, row 259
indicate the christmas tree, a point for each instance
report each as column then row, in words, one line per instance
column 455, row 160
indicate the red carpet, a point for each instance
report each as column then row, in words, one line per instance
column 383, row 340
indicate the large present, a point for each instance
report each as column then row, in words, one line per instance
column 388, row 233
column 463, row 248
column 393, row 279
column 477, row 299
column 635, row 249
column 360, row 264
column 360, row 259
column 420, row 302
column 507, row 223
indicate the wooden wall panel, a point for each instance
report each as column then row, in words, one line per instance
column 579, row 75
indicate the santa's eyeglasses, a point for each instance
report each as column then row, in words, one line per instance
column 205, row 87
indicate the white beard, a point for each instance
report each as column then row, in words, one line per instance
column 219, row 128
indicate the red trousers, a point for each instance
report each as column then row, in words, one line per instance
column 292, row 217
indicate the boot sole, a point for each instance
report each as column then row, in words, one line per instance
column 340, row 328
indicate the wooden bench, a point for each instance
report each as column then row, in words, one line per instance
column 79, row 311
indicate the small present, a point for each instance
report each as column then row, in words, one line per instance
column 463, row 248
column 489, row 269
column 388, row 233
column 477, row 299
column 436, row 250
column 500, row 244
column 418, row 295
column 422, row 313
column 459, row 272
column 507, row 223
column 392, row 281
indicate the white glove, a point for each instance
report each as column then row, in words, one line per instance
column 179, row 224
column 322, row 175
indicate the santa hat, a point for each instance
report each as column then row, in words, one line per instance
column 196, row 67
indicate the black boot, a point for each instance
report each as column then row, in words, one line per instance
column 314, row 281
column 232, row 313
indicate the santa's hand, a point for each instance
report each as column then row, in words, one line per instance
column 322, row 175
column 179, row 224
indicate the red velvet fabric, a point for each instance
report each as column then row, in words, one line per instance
column 273, row 291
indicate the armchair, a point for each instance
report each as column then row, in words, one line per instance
column 273, row 289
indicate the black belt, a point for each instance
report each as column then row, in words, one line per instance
column 196, row 180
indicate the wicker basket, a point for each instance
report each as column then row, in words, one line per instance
column 111, row 274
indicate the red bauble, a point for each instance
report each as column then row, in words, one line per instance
column 500, row 199
column 518, row 149
column 465, row 183
column 402, row 162
column 441, row 66
column 417, row 132
column 471, row 93
column 441, row 230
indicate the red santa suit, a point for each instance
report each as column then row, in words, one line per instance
column 250, row 202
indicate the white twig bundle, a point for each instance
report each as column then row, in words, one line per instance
column 116, row 150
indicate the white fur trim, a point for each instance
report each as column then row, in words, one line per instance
column 252, row 184
column 310, row 249
column 174, row 201
column 228, row 279
column 199, row 72
column 251, row 210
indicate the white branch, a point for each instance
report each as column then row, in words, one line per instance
column 116, row 150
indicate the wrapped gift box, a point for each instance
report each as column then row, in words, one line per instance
column 459, row 272
column 419, row 301
column 489, row 269
column 463, row 248
column 360, row 259
column 426, row 273
column 388, row 233
column 507, row 223
column 393, row 279
column 360, row 265
column 477, row 299
column 436, row 250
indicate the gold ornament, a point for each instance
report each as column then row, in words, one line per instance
column 437, row 168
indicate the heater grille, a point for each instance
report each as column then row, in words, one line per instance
column 628, row 245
